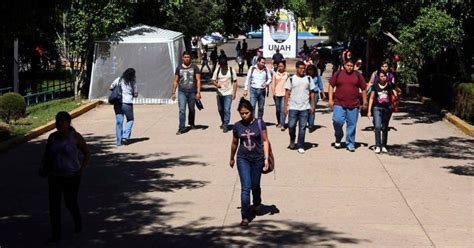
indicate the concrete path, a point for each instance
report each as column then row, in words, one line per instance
column 178, row 191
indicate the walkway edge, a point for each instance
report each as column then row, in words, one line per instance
column 4, row 146
column 458, row 122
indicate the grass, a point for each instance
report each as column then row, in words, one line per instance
column 41, row 114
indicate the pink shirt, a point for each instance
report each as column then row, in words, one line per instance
column 279, row 79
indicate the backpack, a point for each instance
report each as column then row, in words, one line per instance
column 231, row 74
column 253, row 69
column 357, row 74
column 308, row 77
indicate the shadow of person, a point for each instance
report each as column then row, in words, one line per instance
column 309, row 145
column 136, row 140
column 267, row 209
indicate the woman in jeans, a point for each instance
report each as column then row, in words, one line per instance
column 312, row 71
column 129, row 91
column 250, row 137
column 62, row 166
column 380, row 100
column 278, row 82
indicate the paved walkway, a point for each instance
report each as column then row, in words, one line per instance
column 166, row 190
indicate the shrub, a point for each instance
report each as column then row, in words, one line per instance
column 12, row 107
column 465, row 101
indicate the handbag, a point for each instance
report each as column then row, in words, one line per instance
column 199, row 104
column 271, row 158
column 116, row 94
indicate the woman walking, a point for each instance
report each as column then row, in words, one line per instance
column 380, row 100
column 62, row 166
column 250, row 137
column 129, row 91
column 278, row 82
column 312, row 71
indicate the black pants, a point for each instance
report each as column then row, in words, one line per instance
column 69, row 187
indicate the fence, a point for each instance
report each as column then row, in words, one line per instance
column 50, row 90
column 5, row 90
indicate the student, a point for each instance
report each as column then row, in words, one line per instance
column 63, row 167
column 278, row 89
column 129, row 91
column 225, row 80
column 345, row 102
column 188, row 78
column 250, row 141
column 312, row 71
column 380, row 106
column 258, row 78
column 299, row 101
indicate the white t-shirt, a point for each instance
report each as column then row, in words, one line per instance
column 128, row 90
column 224, row 81
column 300, row 88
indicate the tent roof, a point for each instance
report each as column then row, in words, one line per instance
column 145, row 34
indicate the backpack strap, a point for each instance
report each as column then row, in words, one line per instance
column 231, row 75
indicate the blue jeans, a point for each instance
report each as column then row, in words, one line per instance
column 343, row 115
column 300, row 116
column 188, row 98
column 121, row 110
column 224, row 104
column 312, row 116
column 257, row 95
column 250, row 173
column 381, row 120
column 280, row 111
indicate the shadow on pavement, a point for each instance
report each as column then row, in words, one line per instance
column 462, row 170
column 450, row 148
column 413, row 112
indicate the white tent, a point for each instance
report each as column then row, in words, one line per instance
column 154, row 53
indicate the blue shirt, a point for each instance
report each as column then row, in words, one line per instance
column 250, row 140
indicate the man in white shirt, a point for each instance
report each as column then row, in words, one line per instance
column 258, row 77
column 225, row 79
column 299, row 101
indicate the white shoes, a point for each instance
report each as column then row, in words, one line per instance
column 377, row 149
column 301, row 150
column 337, row 145
column 384, row 149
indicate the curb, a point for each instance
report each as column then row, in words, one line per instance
column 4, row 146
column 458, row 122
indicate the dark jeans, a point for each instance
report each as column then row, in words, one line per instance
column 381, row 120
column 121, row 110
column 257, row 95
column 312, row 116
column 69, row 187
column 224, row 103
column 280, row 113
column 300, row 116
column 188, row 98
column 250, row 173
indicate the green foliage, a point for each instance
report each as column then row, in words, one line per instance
column 432, row 33
column 464, row 107
column 12, row 107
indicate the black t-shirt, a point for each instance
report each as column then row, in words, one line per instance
column 382, row 97
column 277, row 58
column 250, row 140
column 187, row 78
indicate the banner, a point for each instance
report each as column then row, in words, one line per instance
column 283, row 36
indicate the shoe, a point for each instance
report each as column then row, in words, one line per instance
column 193, row 126
column 244, row 223
column 225, row 129
column 377, row 149
column 256, row 209
column 292, row 145
column 283, row 129
column 337, row 145
column 384, row 149
column 301, row 150
column 351, row 149
column 125, row 142
column 180, row 132
column 221, row 126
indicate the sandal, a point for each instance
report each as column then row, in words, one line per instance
column 244, row 222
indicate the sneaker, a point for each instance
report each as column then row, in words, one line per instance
column 221, row 126
column 225, row 129
column 301, row 150
column 384, row 149
column 283, row 129
column 180, row 132
column 377, row 149
column 125, row 142
column 351, row 149
column 292, row 145
column 337, row 145
column 193, row 126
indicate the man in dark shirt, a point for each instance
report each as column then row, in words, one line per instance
column 277, row 57
column 188, row 78
column 345, row 102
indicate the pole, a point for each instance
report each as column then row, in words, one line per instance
column 16, row 82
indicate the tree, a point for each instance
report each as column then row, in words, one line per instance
column 81, row 23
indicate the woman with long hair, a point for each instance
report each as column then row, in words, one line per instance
column 250, row 141
column 278, row 82
column 125, row 107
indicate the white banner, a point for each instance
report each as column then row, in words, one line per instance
column 282, row 36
